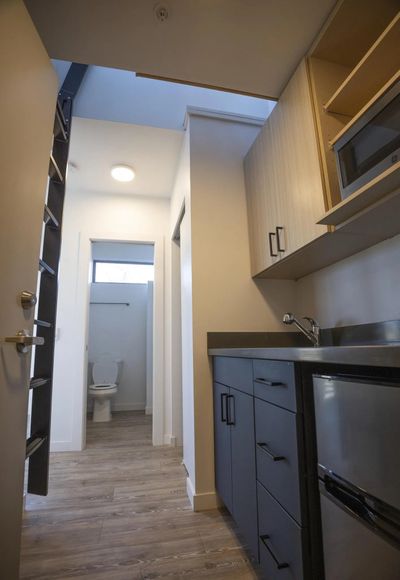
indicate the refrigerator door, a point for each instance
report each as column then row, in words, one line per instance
column 358, row 430
column 352, row 550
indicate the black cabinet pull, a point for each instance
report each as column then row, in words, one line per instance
column 230, row 420
column 269, row 383
column 223, row 407
column 271, row 251
column 279, row 565
column 264, row 447
column 278, row 230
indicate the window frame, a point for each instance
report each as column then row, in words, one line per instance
column 95, row 262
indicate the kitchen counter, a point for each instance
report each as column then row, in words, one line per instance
column 387, row 355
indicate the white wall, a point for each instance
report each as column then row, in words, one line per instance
column 119, row 331
column 225, row 298
column 90, row 216
column 363, row 288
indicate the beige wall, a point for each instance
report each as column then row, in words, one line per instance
column 225, row 298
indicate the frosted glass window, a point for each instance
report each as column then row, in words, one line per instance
column 122, row 272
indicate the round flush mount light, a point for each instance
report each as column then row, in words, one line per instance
column 122, row 173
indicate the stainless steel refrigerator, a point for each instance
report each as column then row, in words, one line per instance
column 358, row 443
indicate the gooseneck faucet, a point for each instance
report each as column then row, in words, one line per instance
column 313, row 334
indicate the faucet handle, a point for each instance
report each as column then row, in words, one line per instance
column 288, row 318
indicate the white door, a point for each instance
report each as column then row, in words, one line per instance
column 27, row 103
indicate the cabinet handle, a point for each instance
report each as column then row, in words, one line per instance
column 223, row 406
column 264, row 447
column 271, row 251
column 278, row 230
column 269, row 383
column 279, row 565
column 230, row 421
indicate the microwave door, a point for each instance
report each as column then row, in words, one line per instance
column 358, row 540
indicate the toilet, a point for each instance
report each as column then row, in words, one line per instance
column 105, row 374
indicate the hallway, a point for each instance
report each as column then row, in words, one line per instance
column 119, row 511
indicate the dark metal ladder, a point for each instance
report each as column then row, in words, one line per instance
column 41, row 384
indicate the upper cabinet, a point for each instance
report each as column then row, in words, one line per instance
column 285, row 193
column 298, row 221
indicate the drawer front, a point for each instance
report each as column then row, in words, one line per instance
column 234, row 372
column 280, row 538
column 275, row 381
column 277, row 433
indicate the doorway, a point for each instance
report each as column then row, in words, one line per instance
column 120, row 336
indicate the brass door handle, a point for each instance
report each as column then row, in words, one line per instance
column 23, row 341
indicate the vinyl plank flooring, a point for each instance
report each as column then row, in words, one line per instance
column 118, row 511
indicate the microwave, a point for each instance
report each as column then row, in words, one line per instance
column 371, row 145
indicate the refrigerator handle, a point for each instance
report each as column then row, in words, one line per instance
column 353, row 501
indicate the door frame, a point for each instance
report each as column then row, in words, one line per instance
column 83, row 282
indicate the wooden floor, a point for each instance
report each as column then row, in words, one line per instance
column 119, row 511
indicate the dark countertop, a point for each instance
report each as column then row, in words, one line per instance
column 387, row 355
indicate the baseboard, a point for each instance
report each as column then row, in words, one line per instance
column 170, row 440
column 128, row 407
column 201, row 501
column 148, row 410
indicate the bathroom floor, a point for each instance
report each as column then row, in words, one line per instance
column 119, row 511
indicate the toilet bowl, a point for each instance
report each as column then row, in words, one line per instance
column 105, row 382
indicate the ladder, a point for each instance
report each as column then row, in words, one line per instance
column 41, row 383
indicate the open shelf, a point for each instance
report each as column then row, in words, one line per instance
column 366, row 195
column 375, row 98
column 378, row 65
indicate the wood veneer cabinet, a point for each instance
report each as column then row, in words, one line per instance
column 284, row 186
column 298, row 222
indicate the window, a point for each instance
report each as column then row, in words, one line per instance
column 122, row 272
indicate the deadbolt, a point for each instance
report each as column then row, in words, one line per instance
column 28, row 299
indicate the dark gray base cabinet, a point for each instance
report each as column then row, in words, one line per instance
column 259, row 460
column 235, row 462
column 235, row 456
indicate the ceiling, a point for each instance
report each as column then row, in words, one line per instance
column 118, row 95
column 98, row 145
column 249, row 46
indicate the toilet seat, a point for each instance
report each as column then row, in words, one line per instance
column 102, row 386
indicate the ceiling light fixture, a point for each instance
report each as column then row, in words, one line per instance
column 122, row 173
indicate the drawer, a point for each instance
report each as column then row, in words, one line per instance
column 277, row 436
column 275, row 381
column 234, row 372
column 280, row 539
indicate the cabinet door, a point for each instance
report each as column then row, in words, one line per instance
column 262, row 201
column 244, row 494
column 297, row 162
column 222, row 445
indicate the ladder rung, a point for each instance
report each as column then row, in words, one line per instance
column 36, row 382
column 60, row 129
column 54, row 170
column 45, row 268
column 33, row 444
column 60, row 111
column 49, row 218
column 42, row 323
